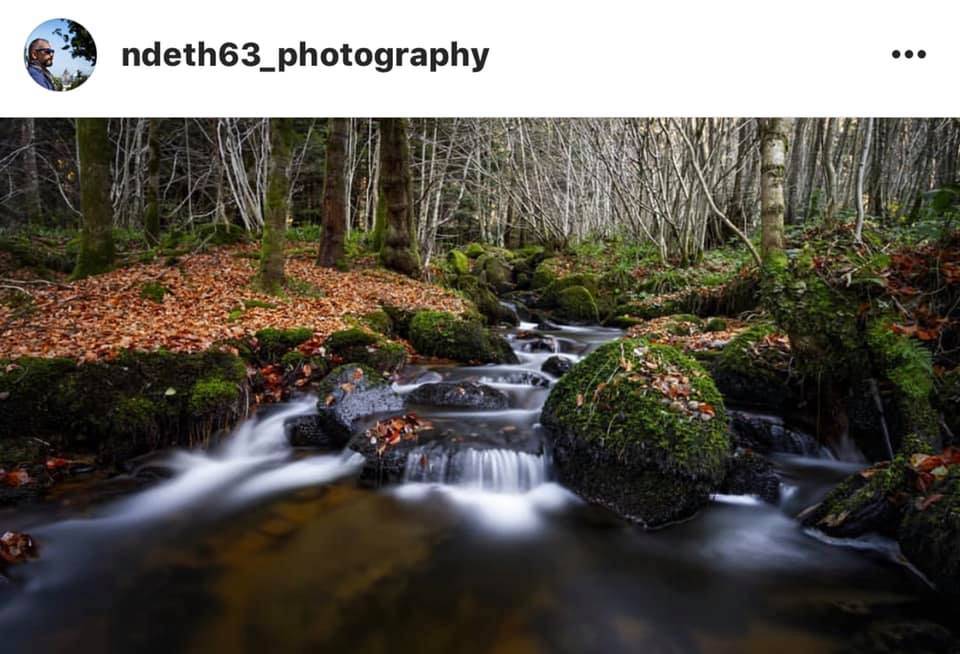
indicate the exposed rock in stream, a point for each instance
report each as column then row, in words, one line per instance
column 466, row 394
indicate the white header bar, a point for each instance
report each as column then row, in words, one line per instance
column 601, row 58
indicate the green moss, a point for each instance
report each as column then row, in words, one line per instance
column 474, row 250
column 545, row 274
column 441, row 334
column 715, row 325
column 739, row 354
column 153, row 291
column 577, row 303
column 135, row 415
column 458, row 261
column 334, row 377
column 258, row 304
column 495, row 272
column 364, row 347
column 119, row 408
column 486, row 302
column 379, row 321
column 908, row 364
column 212, row 395
column 609, row 399
column 274, row 343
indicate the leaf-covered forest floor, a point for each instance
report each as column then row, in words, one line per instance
column 192, row 303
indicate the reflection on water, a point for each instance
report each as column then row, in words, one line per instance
column 253, row 548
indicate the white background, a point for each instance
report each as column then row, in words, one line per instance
column 596, row 58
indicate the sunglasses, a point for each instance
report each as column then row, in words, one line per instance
column 45, row 50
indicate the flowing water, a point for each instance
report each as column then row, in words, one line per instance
column 254, row 547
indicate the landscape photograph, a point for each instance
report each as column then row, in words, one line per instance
column 480, row 385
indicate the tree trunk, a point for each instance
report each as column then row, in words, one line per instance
column 773, row 151
column 151, row 212
column 95, row 155
column 275, row 208
column 334, row 209
column 31, row 179
column 830, row 170
column 858, row 234
column 399, row 251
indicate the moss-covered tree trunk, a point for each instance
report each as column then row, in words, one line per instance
column 334, row 194
column 95, row 154
column 399, row 251
column 773, row 157
column 151, row 213
column 276, row 207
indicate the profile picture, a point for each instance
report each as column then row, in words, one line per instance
column 60, row 54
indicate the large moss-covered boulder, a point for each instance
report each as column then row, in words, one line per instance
column 441, row 334
column 577, row 304
column 117, row 409
column 361, row 346
column 641, row 429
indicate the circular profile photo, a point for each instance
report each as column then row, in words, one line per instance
column 60, row 54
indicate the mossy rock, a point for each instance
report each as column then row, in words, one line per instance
column 458, row 262
column 474, row 250
column 379, row 321
column 273, row 343
column 545, row 273
column 621, row 442
column 551, row 294
column 400, row 318
column 495, row 272
column 130, row 405
column 862, row 503
column 441, row 334
column 576, row 303
column 747, row 378
column 486, row 302
column 367, row 348
column 929, row 536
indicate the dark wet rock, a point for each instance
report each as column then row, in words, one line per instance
column 348, row 394
column 620, row 446
column 749, row 473
column 897, row 636
column 307, row 431
column 767, row 434
column 557, row 366
column 389, row 466
column 539, row 344
column 459, row 394
column 930, row 536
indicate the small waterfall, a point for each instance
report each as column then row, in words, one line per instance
column 498, row 470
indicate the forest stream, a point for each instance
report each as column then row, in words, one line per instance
column 257, row 546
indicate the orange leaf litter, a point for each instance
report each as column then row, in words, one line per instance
column 95, row 317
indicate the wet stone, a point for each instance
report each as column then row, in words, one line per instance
column 459, row 394
column 557, row 366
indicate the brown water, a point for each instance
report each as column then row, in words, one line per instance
column 255, row 548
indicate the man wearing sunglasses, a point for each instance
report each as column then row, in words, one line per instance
column 40, row 58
